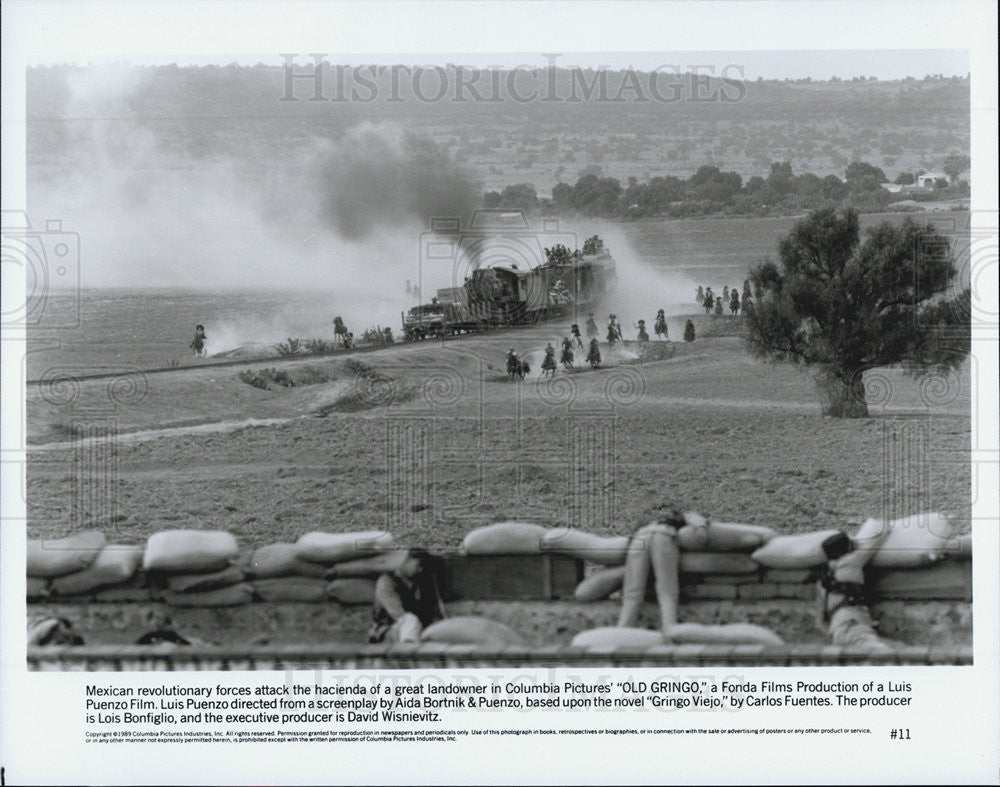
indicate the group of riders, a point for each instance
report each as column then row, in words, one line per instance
column 340, row 335
column 517, row 368
column 715, row 304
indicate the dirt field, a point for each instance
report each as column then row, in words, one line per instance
column 430, row 440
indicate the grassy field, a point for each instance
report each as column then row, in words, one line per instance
column 707, row 427
column 660, row 263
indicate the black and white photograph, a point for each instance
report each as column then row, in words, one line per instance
column 565, row 362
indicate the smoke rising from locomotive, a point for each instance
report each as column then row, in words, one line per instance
column 160, row 203
column 379, row 176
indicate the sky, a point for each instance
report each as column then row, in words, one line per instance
column 888, row 39
column 751, row 65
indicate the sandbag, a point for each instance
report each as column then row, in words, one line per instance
column 37, row 587
column 230, row 596
column 291, row 589
column 914, row 541
column 725, row 633
column 803, row 550
column 504, row 538
column 356, row 590
column 469, row 630
column 717, row 563
column 612, row 637
column 724, row 537
column 603, row 550
column 113, row 565
column 961, row 548
column 190, row 551
column 600, row 584
column 367, row 566
column 56, row 557
column 278, row 560
column 318, row 547
column 199, row 583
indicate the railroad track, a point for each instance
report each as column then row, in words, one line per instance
column 280, row 359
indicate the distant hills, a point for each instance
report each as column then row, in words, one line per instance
column 540, row 128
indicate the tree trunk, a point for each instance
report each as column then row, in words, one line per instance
column 843, row 394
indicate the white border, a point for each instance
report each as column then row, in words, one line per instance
column 34, row 727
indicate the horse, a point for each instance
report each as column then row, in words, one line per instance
column 340, row 332
column 660, row 325
column 516, row 368
column 566, row 358
column 549, row 362
column 594, row 354
column 198, row 344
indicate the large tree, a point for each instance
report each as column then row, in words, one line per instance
column 844, row 305
column 955, row 165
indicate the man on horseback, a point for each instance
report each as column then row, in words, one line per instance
column 614, row 330
column 513, row 363
column 660, row 326
column 549, row 362
column 515, row 366
column 340, row 332
column 594, row 354
column 566, row 359
column 199, row 341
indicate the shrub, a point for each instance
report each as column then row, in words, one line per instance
column 378, row 335
column 264, row 378
column 291, row 347
column 319, row 347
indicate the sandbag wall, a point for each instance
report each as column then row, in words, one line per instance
column 205, row 568
column 189, row 568
column 919, row 559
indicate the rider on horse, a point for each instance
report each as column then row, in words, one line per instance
column 660, row 326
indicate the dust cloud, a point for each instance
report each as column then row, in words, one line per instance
column 643, row 289
column 341, row 214
column 216, row 205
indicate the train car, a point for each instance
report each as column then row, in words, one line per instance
column 500, row 296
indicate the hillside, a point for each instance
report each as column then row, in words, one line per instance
column 642, row 125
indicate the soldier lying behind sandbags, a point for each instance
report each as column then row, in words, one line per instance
column 406, row 600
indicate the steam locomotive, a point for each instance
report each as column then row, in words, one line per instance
column 567, row 283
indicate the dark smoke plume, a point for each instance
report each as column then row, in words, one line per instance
column 379, row 176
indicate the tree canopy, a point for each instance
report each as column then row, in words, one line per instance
column 845, row 304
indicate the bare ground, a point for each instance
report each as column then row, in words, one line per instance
column 431, row 440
